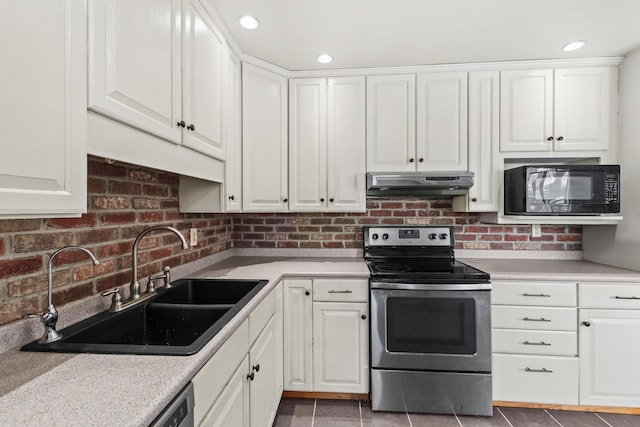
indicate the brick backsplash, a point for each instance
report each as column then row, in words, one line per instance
column 125, row 199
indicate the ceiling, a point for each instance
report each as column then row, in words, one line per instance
column 373, row 33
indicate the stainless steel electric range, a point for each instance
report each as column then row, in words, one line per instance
column 430, row 324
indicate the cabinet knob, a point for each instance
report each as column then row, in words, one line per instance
column 421, row 160
column 587, row 324
column 550, row 138
column 364, row 316
column 232, row 197
column 560, row 138
column 322, row 199
column 475, row 199
column 191, row 127
column 306, row 292
column 256, row 367
column 285, row 200
column 251, row 376
column 331, row 200
column 181, row 123
column 411, row 160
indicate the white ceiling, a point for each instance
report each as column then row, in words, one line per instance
column 372, row 33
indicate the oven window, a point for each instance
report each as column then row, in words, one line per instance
column 431, row 325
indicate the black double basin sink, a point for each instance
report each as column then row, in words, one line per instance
column 176, row 321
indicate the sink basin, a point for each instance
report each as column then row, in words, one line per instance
column 176, row 321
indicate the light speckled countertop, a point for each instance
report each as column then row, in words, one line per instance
column 97, row 389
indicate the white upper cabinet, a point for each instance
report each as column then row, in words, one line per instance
column 441, row 138
column 555, row 110
column 157, row 66
column 233, row 131
column 264, row 140
column 43, row 108
column 327, row 144
column 391, row 123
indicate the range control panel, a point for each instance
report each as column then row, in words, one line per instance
column 409, row 236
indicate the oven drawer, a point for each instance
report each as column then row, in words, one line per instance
column 535, row 379
column 347, row 290
column 602, row 295
column 550, row 343
column 540, row 318
column 543, row 294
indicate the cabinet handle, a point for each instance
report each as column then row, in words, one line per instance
column 191, row 127
column 550, row 138
column 421, row 160
column 411, row 160
column 181, row 123
column 331, row 200
column 543, row 370
column 587, row 324
column 322, row 199
column 256, row 367
column 232, row 197
column 285, row 200
column 560, row 138
column 307, row 293
column 542, row 319
column 341, row 292
column 535, row 295
column 475, row 199
column 536, row 343
column 251, row 376
column 364, row 316
column 617, row 297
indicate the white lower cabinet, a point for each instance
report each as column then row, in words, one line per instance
column 609, row 323
column 248, row 393
column 326, row 335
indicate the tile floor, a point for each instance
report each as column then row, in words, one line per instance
column 351, row 413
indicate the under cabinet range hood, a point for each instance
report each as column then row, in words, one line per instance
column 418, row 184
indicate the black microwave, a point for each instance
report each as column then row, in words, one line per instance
column 562, row 190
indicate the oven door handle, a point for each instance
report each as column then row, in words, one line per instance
column 432, row 287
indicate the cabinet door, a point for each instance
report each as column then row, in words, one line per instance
column 135, row 64
column 43, row 107
column 609, row 352
column 202, row 81
column 298, row 331
column 279, row 330
column 341, row 347
column 483, row 140
column 441, row 128
column 308, row 144
column 263, row 384
column 526, row 110
column 391, row 123
column 232, row 406
column 233, row 132
column 346, row 145
column 264, row 140
column 581, row 110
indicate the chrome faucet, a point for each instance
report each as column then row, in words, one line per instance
column 135, row 285
column 50, row 316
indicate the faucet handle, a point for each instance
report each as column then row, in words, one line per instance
column 116, row 299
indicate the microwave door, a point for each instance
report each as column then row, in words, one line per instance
column 537, row 200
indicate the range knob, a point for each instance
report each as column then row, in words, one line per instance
column 432, row 236
column 443, row 236
column 374, row 236
column 385, row 236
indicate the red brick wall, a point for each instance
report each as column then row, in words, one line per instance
column 124, row 199
column 344, row 230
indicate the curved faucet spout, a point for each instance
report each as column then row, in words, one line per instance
column 135, row 285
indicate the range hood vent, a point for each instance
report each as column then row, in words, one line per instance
column 418, row 184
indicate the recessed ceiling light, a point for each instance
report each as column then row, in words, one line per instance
column 324, row 58
column 249, row 22
column 574, row 45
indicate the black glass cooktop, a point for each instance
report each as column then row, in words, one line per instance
column 424, row 271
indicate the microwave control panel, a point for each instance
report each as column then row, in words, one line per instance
column 611, row 188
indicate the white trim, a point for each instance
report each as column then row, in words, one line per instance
column 245, row 58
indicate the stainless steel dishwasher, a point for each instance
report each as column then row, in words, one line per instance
column 179, row 413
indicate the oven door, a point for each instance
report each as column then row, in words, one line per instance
column 431, row 327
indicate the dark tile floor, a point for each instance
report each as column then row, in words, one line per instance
column 351, row 413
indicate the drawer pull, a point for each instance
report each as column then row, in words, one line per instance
column 536, row 295
column 536, row 343
column 543, row 370
column 617, row 297
column 341, row 292
column 542, row 319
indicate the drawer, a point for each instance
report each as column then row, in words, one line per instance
column 556, row 294
column 602, row 295
column 539, row 318
column 520, row 341
column 260, row 316
column 535, row 379
column 349, row 290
